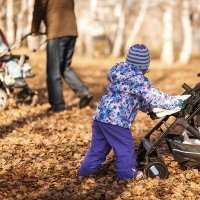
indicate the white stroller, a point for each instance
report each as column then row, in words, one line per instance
column 13, row 71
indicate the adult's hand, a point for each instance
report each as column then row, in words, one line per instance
column 34, row 34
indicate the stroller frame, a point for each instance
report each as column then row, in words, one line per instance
column 148, row 158
column 26, row 95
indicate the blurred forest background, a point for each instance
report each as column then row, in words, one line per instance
column 170, row 28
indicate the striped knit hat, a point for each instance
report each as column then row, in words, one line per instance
column 139, row 57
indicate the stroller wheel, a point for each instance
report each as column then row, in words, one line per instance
column 3, row 99
column 156, row 169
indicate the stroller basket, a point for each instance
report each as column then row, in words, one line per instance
column 187, row 155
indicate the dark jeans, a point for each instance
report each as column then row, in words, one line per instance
column 59, row 56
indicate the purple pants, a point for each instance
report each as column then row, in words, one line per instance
column 104, row 138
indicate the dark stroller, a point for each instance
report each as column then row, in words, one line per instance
column 24, row 93
column 187, row 155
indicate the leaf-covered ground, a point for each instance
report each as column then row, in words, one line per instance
column 40, row 152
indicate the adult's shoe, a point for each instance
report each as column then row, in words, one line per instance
column 85, row 100
column 56, row 108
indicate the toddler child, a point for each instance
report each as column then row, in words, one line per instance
column 129, row 91
column 16, row 70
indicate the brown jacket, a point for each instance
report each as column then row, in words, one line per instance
column 58, row 15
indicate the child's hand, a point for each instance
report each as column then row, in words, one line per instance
column 180, row 103
column 181, row 99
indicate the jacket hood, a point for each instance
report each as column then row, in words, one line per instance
column 122, row 71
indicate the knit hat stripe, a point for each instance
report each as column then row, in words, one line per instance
column 138, row 60
column 139, row 50
column 139, row 55
column 144, row 58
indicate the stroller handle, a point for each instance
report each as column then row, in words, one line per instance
column 18, row 42
column 23, row 38
column 186, row 87
column 28, row 34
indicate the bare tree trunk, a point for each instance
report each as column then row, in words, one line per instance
column 89, row 42
column 10, row 33
column 187, row 33
column 137, row 25
column 93, row 5
column 20, row 21
column 2, row 15
column 87, row 35
column 167, row 54
column 33, row 42
column 117, row 48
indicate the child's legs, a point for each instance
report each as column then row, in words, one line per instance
column 122, row 143
column 97, row 152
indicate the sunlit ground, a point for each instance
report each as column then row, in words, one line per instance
column 40, row 153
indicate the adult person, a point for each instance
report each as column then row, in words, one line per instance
column 61, row 28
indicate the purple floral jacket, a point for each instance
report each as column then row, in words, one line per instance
column 129, row 92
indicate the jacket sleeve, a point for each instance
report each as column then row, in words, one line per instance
column 150, row 97
column 39, row 13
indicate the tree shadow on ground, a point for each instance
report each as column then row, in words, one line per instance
column 27, row 185
column 20, row 122
column 100, row 190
